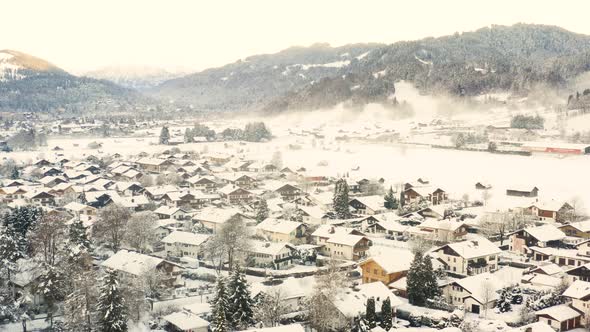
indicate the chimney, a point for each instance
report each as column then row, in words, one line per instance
column 331, row 231
column 267, row 244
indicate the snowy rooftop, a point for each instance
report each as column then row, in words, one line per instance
column 132, row 262
column 186, row 321
column 474, row 248
column 278, row 225
column 185, row 238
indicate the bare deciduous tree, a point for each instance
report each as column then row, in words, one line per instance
column 47, row 238
column 323, row 315
column 140, row 233
column 501, row 224
column 271, row 307
column 111, row 225
column 487, row 295
column 229, row 244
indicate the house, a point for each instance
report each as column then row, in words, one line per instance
column 541, row 236
column 323, row 233
column 184, row 244
column 154, row 165
column 278, row 230
column 416, row 194
column 446, row 230
column 132, row 265
column 235, row 195
column 469, row 257
column 288, row 192
column 387, row 268
column 560, row 317
column 351, row 303
column 561, row 257
column 185, row 321
column 203, row 183
column 579, row 295
column 523, row 191
column 579, row 229
column 550, row 211
column 40, row 197
column 347, row 246
column 275, row 255
column 239, row 179
column 129, row 188
column 165, row 212
column 476, row 293
column 79, row 209
column 213, row 218
column 367, row 205
column 312, row 214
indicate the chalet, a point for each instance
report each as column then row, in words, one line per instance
column 367, row 204
column 469, row 257
column 323, row 233
column 560, row 317
column 550, row 211
column 415, row 194
column 10, row 194
column 387, row 268
column 388, row 227
column 156, row 193
column 579, row 295
column 42, row 163
column 277, row 230
column 129, row 188
column 132, row 265
column 274, row 255
column 476, row 293
column 154, row 165
column 184, row 244
column 288, row 192
column 41, row 197
column 238, row 165
column 50, row 171
column 581, row 272
column 203, row 183
column 523, row 192
column 446, row 230
column 312, row 214
column 165, row 212
column 579, row 229
column 179, row 199
column 81, row 210
column 347, row 246
column 542, row 236
column 235, row 195
column 239, row 179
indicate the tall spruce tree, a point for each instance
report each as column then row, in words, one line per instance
column 220, row 312
column 52, row 284
column 415, row 286
column 112, row 315
column 240, row 301
column 390, row 200
column 78, row 235
column 340, row 200
column 262, row 211
column 429, row 278
column 370, row 315
column 164, row 136
column 386, row 314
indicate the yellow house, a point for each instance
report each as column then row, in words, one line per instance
column 387, row 268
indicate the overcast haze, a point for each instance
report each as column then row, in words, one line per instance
column 193, row 35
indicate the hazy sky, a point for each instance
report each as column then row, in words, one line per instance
column 82, row 35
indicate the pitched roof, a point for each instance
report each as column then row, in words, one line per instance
column 186, row 238
column 132, row 262
column 545, row 233
column 186, row 321
column 345, row 239
column 559, row 312
column 578, row 290
column 278, row 225
column 395, row 260
column 374, row 202
column 474, row 248
column 351, row 303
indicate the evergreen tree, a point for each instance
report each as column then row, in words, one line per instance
column 386, row 314
column 164, row 136
column 370, row 315
column 78, row 235
column 429, row 278
column 340, row 200
column 402, row 198
column 20, row 221
column 188, row 136
column 221, row 307
column 415, row 286
column 262, row 211
column 240, row 301
column 112, row 315
column 51, row 283
column 390, row 200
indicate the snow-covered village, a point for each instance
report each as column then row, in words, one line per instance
column 267, row 181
